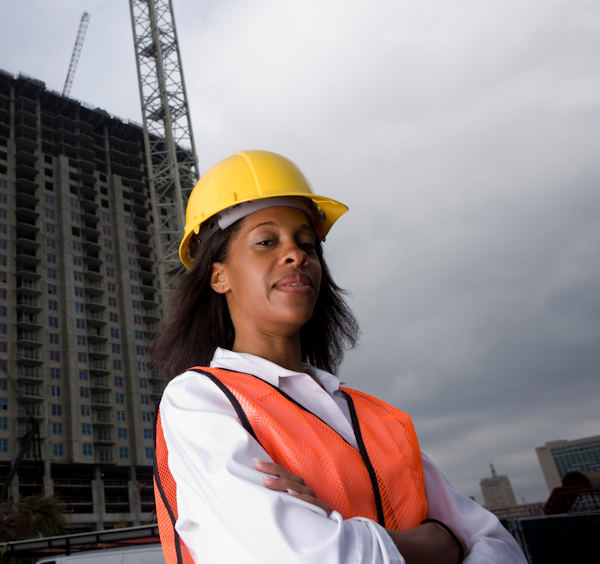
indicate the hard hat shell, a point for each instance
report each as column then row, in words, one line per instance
column 246, row 176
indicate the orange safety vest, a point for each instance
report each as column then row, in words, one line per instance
column 382, row 480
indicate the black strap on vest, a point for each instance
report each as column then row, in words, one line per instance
column 163, row 496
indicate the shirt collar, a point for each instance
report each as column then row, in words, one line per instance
column 269, row 371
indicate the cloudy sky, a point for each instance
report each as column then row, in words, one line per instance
column 465, row 138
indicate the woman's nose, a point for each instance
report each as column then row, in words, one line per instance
column 294, row 255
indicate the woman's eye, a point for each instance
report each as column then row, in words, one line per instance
column 307, row 246
column 266, row 242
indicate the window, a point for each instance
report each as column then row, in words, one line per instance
column 149, row 453
column 106, row 230
column 112, row 302
column 148, row 434
column 130, row 248
column 129, row 233
column 3, row 445
column 76, row 246
column 50, row 242
column 55, row 356
column 55, row 373
column 3, row 229
column 49, row 213
column 78, row 276
column 81, row 340
column 116, row 348
column 118, row 381
column 3, row 328
column 135, row 304
column 139, row 335
column 3, row 311
column 52, row 289
column 82, row 357
column 85, row 410
column 79, row 307
column 120, row 398
column 86, row 428
column 74, row 204
column 53, row 337
column 145, row 399
column 53, row 304
column 141, row 366
column 128, row 220
column 57, row 449
column 77, row 261
column 135, row 290
column 114, row 333
column 104, row 203
column 114, row 317
column 51, row 272
column 55, row 391
column 57, row 429
column 111, row 286
column 116, row 364
column 51, row 257
column 53, row 321
column 79, row 291
column 122, row 432
column 143, row 383
column 110, row 272
column 3, row 260
column 132, row 261
column 84, row 393
column 83, row 374
column 49, row 228
column 80, row 323
column 74, row 217
column 3, row 404
column 140, row 350
column 123, row 452
column 105, row 216
column 120, row 416
column 107, row 244
column 3, row 277
column 49, row 199
column 133, row 275
column 57, row 409
column 3, row 346
column 87, row 449
column 137, row 319
column 146, row 417
column 108, row 257
column 3, row 423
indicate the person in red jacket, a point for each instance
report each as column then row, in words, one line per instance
column 261, row 454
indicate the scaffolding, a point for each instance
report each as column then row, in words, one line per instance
column 170, row 152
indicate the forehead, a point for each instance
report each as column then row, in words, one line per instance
column 279, row 216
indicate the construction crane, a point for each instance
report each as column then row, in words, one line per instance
column 85, row 18
column 170, row 151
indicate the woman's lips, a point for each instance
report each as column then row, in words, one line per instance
column 295, row 283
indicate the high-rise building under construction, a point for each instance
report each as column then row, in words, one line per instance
column 79, row 303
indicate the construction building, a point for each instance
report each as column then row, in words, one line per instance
column 557, row 458
column 497, row 492
column 79, row 303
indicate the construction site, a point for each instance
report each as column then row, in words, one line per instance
column 92, row 213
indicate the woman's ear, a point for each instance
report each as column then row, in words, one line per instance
column 218, row 280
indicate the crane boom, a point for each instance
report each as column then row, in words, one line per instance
column 170, row 151
column 85, row 18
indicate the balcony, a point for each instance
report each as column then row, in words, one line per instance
column 103, row 436
column 25, row 200
column 29, row 392
column 28, row 353
column 28, row 270
column 104, row 456
column 94, row 317
column 27, row 410
column 28, row 372
column 27, row 320
column 101, row 417
column 151, row 315
column 91, row 244
column 28, row 303
column 100, row 383
column 100, row 399
column 28, row 337
column 94, row 286
column 98, row 350
column 27, row 286
column 96, row 333
column 26, row 254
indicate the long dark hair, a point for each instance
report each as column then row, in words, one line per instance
column 198, row 320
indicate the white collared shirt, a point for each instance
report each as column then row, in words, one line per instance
column 227, row 515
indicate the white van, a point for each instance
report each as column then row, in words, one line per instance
column 149, row 554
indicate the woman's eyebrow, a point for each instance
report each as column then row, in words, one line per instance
column 264, row 223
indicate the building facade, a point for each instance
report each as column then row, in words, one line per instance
column 497, row 492
column 79, row 303
column 557, row 458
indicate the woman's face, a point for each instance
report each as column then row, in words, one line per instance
column 272, row 275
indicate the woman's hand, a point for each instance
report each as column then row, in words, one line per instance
column 279, row 479
column 427, row 544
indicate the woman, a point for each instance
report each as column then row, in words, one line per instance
column 261, row 455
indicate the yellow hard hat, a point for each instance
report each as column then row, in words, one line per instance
column 249, row 176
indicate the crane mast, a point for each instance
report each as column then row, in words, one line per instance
column 171, row 159
column 85, row 18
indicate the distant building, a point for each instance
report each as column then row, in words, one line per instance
column 79, row 303
column 557, row 458
column 497, row 491
column 524, row 510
